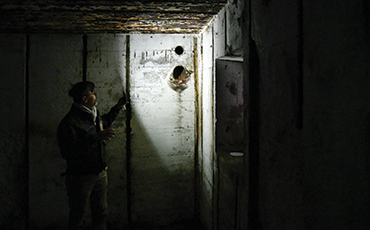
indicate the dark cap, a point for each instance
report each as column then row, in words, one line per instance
column 80, row 89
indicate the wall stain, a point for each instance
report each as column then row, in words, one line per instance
column 232, row 88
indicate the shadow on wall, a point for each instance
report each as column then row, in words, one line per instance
column 162, row 171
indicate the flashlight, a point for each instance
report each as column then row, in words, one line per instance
column 124, row 95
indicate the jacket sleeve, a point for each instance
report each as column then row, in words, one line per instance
column 74, row 143
column 110, row 116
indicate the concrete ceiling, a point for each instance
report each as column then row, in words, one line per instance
column 112, row 16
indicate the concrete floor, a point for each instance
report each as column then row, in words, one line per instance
column 183, row 225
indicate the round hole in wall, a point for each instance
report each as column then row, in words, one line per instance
column 179, row 78
column 179, row 50
column 177, row 71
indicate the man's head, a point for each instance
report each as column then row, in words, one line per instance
column 83, row 93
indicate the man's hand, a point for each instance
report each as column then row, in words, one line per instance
column 106, row 134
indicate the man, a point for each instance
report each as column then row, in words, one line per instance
column 81, row 136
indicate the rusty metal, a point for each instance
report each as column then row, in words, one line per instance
column 54, row 16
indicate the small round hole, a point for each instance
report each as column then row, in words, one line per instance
column 179, row 50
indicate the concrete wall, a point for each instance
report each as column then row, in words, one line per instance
column 54, row 64
column 160, row 165
column 313, row 176
column 336, row 136
column 229, row 142
column 233, row 22
column 207, row 133
column 221, row 37
column 151, row 181
column 310, row 176
column 229, row 104
column 106, row 67
column 163, row 116
column 146, row 182
column 13, row 139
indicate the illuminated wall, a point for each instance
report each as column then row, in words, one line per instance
column 162, row 161
column 151, row 179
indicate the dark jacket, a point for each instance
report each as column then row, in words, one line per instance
column 83, row 153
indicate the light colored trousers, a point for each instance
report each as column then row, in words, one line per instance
column 85, row 189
